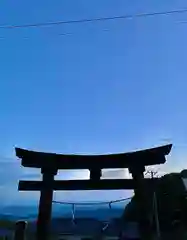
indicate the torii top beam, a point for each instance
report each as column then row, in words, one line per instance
column 146, row 157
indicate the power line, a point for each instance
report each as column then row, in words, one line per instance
column 92, row 203
column 90, row 20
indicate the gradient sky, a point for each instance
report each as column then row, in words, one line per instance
column 112, row 86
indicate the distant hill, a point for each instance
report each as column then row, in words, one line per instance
column 62, row 222
column 30, row 212
column 87, row 219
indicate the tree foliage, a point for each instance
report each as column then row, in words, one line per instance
column 171, row 201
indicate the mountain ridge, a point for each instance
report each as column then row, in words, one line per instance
column 31, row 212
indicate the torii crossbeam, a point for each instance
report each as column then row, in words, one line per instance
column 50, row 163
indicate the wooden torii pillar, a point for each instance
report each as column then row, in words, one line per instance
column 50, row 163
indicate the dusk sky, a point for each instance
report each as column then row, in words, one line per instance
column 102, row 87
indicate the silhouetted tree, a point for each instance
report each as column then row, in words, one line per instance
column 171, row 201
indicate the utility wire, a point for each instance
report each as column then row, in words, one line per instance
column 92, row 203
column 87, row 20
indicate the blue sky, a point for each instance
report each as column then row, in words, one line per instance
column 112, row 86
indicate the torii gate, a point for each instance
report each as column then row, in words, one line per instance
column 50, row 163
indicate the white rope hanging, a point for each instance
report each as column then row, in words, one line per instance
column 73, row 204
column 92, row 203
column 107, row 225
column 73, row 214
